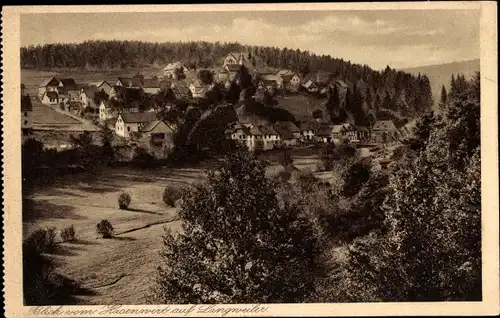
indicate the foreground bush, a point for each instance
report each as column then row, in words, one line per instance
column 43, row 240
column 68, row 234
column 171, row 195
column 237, row 244
column 105, row 229
column 124, row 200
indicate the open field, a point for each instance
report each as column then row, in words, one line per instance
column 117, row 270
column 302, row 106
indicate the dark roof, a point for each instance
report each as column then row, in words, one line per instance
column 269, row 82
column 50, row 82
column 283, row 131
column 153, row 124
column 51, row 95
column 384, row 125
column 309, row 126
column 26, row 103
column 68, row 83
column 145, row 117
column 90, row 90
column 233, row 67
column 324, row 130
column 151, row 82
column 268, row 130
column 288, row 125
column 130, row 81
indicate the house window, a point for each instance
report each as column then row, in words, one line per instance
column 128, row 128
column 25, row 114
column 25, row 123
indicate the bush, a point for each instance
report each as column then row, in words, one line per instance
column 143, row 159
column 171, row 194
column 43, row 240
column 124, row 200
column 68, row 234
column 105, row 229
column 354, row 177
column 235, row 221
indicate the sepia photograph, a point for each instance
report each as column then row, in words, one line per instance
column 218, row 156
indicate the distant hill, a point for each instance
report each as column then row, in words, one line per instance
column 440, row 74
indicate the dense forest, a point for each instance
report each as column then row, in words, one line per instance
column 388, row 89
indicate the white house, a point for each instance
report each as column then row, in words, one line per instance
column 310, row 86
column 127, row 123
column 50, row 98
column 234, row 58
column 198, row 90
column 26, row 113
column 49, row 85
column 87, row 95
column 151, row 86
column 173, row 69
column 106, row 112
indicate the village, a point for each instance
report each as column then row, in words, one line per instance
column 135, row 118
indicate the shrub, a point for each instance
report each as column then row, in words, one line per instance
column 354, row 177
column 105, row 229
column 68, row 234
column 283, row 176
column 124, row 200
column 143, row 159
column 171, row 194
column 43, row 240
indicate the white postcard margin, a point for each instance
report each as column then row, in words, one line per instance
column 12, row 224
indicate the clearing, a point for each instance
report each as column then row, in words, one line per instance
column 118, row 270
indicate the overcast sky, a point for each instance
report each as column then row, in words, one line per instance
column 377, row 38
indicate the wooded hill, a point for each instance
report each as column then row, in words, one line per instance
column 389, row 89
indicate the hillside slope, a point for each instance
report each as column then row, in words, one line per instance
column 440, row 74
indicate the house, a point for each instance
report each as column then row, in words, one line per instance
column 286, row 136
column 266, row 137
column 26, row 114
column 308, row 130
column 351, row 132
column 158, row 136
column 291, row 82
column 129, row 82
column 106, row 112
column 290, row 126
column 268, row 85
column 198, row 90
column 127, row 123
column 339, row 132
column 310, row 86
column 151, row 86
column 241, row 133
column 87, row 95
column 384, row 131
column 181, row 90
column 324, row 133
column 234, row 58
column 175, row 71
column 273, row 78
column 362, row 133
column 68, row 90
column 49, row 85
column 285, row 73
column 228, row 72
column 103, row 85
column 50, row 98
column 74, row 106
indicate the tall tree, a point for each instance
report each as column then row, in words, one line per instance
column 223, row 253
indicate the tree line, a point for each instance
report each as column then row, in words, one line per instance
column 389, row 87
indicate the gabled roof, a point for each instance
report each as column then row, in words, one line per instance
column 341, row 83
column 51, row 95
column 150, row 83
column 303, row 126
column 68, row 83
column 145, row 117
column 286, row 78
column 268, row 130
column 285, row 73
column 310, row 84
column 338, row 128
column 283, row 131
column 50, row 82
column 361, row 128
column 152, row 125
column 324, row 130
column 288, row 125
column 90, row 90
column 236, row 55
column 130, row 81
column 232, row 67
column 26, row 105
column 384, row 125
column 173, row 66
